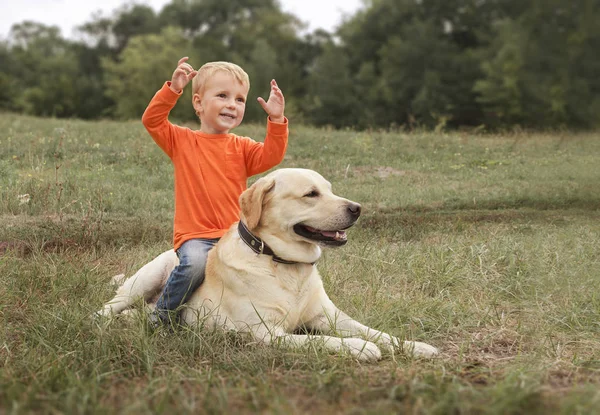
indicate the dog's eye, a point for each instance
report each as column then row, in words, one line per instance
column 312, row 193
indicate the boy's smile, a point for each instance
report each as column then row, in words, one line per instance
column 222, row 105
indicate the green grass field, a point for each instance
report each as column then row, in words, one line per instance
column 486, row 246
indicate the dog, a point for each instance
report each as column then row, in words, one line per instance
column 262, row 278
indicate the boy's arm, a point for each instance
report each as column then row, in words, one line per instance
column 261, row 157
column 156, row 118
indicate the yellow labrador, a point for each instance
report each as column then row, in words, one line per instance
column 261, row 277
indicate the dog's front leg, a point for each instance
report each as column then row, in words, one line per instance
column 330, row 320
column 360, row 349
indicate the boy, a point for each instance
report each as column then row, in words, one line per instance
column 211, row 165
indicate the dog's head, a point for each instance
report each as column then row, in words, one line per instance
column 294, row 211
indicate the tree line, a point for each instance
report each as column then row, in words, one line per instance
column 395, row 63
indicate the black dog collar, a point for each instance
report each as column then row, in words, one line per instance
column 258, row 245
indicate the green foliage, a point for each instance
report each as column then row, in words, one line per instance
column 501, row 90
column 535, row 73
column 261, row 66
column 426, row 76
column 133, row 20
column 429, row 63
column 471, row 62
column 8, row 89
column 142, row 67
column 45, row 68
column 332, row 96
column 420, row 61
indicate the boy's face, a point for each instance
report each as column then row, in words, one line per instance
column 222, row 105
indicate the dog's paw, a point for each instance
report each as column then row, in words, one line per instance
column 101, row 318
column 362, row 350
column 415, row 349
column 387, row 342
column 418, row 349
column 101, row 314
column 118, row 280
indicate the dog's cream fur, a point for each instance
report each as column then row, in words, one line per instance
column 251, row 293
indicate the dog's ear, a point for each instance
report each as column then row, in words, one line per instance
column 251, row 201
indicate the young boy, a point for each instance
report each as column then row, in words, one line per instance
column 211, row 165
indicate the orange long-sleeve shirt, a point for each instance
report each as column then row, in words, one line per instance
column 210, row 169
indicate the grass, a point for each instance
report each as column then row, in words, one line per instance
column 486, row 246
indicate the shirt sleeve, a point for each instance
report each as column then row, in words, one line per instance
column 156, row 118
column 260, row 157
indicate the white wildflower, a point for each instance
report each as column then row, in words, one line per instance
column 24, row 199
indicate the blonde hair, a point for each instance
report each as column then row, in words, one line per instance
column 207, row 70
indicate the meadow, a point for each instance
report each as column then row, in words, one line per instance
column 486, row 246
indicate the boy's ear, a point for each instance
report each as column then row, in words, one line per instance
column 197, row 102
column 252, row 201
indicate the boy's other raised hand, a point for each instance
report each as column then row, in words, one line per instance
column 183, row 74
column 275, row 106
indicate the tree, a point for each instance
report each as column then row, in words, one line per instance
column 427, row 76
column 241, row 31
column 414, row 60
column 133, row 20
column 541, row 71
column 9, row 72
column 47, row 70
column 431, row 62
column 261, row 66
column 332, row 98
column 142, row 68
column 502, row 86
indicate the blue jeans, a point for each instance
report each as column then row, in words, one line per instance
column 187, row 276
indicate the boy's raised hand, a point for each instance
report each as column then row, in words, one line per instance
column 275, row 105
column 183, row 74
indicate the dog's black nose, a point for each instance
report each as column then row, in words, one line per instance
column 354, row 209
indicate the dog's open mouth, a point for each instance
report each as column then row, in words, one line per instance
column 335, row 238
